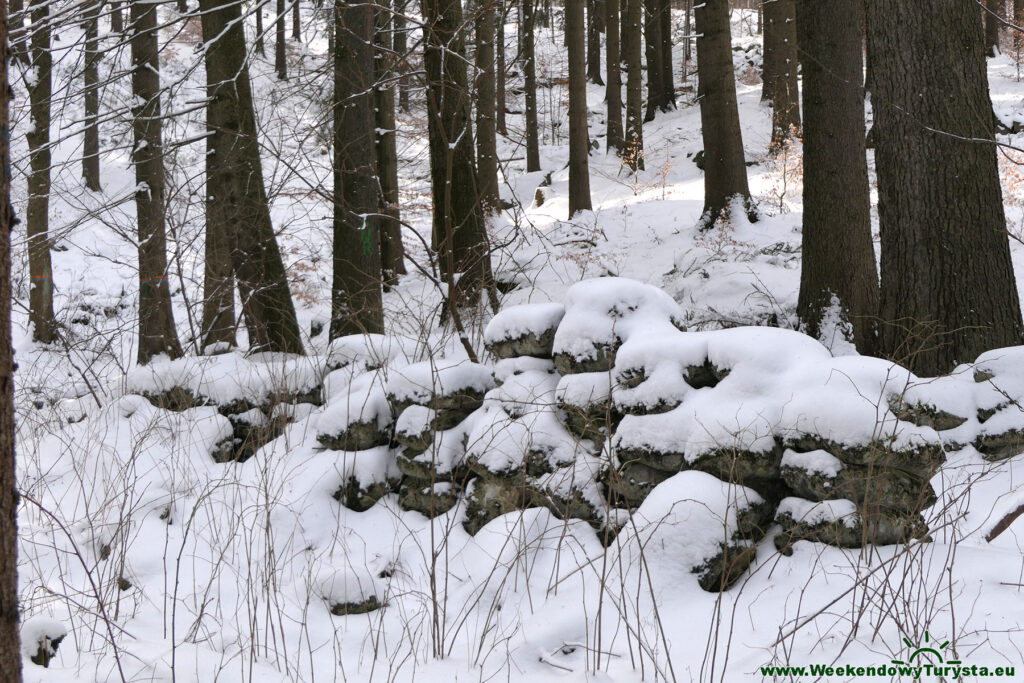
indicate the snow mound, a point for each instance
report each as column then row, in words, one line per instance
column 421, row 383
column 813, row 514
column 362, row 351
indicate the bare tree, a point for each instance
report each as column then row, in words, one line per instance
column 655, row 58
column 499, row 84
column 280, row 56
column 356, row 305
column 157, row 334
column 780, row 86
column 725, row 173
column 10, row 652
column 530, row 86
column 595, row 27
column 392, row 253
column 296, row 21
column 948, row 290
column 579, row 136
column 44, row 327
column 613, row 81
column 235, row 183
column 91, row 97
column 486, row 134
column 838, row 262
column 633, row 152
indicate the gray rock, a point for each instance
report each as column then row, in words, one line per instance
column 892, row 488
column 875, row 526
column 995, row 447
column 491, row 497
column 358, row 436
column 359, row 498
column 529, row 344
column 344, row 609
column 601, row 359
column 925, row 415
column 921, row 461
column 724, row 569
column 426, row 498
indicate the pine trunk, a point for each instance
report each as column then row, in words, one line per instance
column 500, row 124
column 400, row 43
column 91, row 97
column 634, row 146
column 838, row 256
column 116, row 17
column 613, row 80
column 40, row 315
column 280, row 56
column 725, row 173
column 530, row 86
column 392, row 253
column 948, row 290
column 486, row 137
column 10, row 653
column 595, row 26
column 356, row 306
column 579, row 136
column 296, row 21
column 236, row 184
column 652, row 51
column 665, row 45
column 259, row 28
column 16, row 29
column 157, row 333
column 219, row 323
column 459, row 237
column 993, row 22
column 780, row 69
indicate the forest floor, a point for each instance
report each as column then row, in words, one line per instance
column 166, row 566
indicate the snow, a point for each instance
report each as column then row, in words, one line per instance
column 825, row 512
column 518, row 321
column 37, row 630
column 363, row 402
column 814, row 462
column 419, row 382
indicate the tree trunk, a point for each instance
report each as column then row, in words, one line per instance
column 400, row 43
column 459, row 237
column 652, row 51
column 392, row 254
column 595, row 26
column 218, row 326
column 1018, row 28
column 280, row 57
column 993, row 14
column 16, row 29
column 10, row 653
column 780, row 69
column 634, row 146
column 44, row 327
column 296, row 21
column 838, row 256
column 688, row 31
column 530, row 86
column 116, row 17
column 236, row 184
column 157, row 333
column 356, row 306
column 725, row 174
column 91, row 97
column 499, row 96
column 613, row 81
column 948, row 290
column 579, row 136
column 486, row 137
column 259, row 28
column 665, row 45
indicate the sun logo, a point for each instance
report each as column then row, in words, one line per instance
column 923, row 649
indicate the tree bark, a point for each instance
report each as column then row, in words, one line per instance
column 236, row 184
column 579, row 136
column 838, row 255
column 44, row 327
column 780, row 85
column 392, row 253
column 486, row 136
column 993, row 13
column 948, row 290
column 459, row 237
column 665, row 45
column 91, row 97
column 634, row 144
column 280, row 56
column 16, row 29
column 400, row 43
column 499, row 95
column 725, row 173
column 652, row 51
column 157, row 333
column 613, row 80
column 356, row 306
column 259, row 28
column 530, row 87
column 116, row 17
column 595, row 26
column 296, row 21
column 10, row 653
column 219, row 323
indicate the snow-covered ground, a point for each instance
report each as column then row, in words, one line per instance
column 164, row 565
